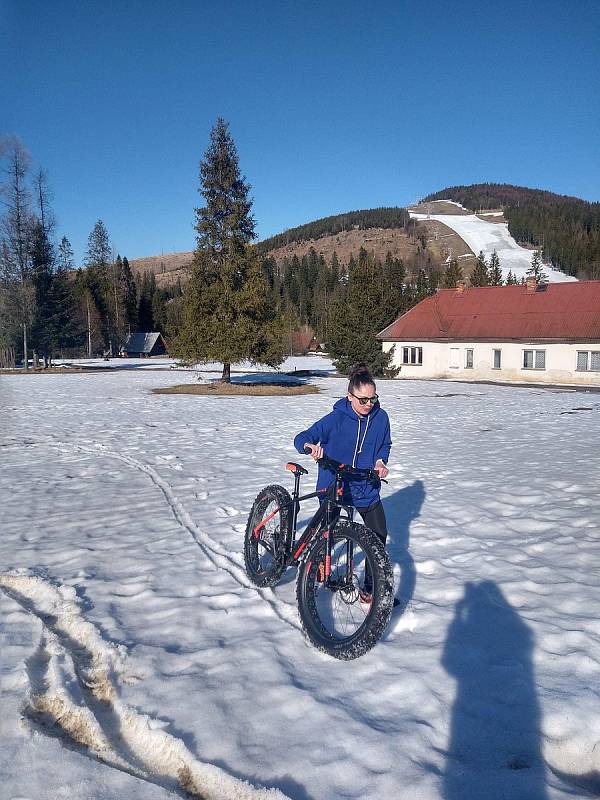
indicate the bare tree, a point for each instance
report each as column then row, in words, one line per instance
column 16, row 229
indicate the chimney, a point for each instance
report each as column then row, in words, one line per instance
column 460, row 286
column 530, row 284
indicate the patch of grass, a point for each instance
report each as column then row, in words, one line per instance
column 219, row 389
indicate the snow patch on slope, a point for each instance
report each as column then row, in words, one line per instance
column 489, row 236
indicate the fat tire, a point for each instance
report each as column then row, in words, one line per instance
column 380, row 611
column 271, row 575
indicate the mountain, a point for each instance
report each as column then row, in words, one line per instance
column 567, row 229
column 377, row 230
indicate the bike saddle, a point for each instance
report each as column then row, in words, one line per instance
column 296, row 468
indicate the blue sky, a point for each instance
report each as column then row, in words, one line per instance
column 333, row 105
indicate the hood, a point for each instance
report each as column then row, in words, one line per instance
column 343, row 406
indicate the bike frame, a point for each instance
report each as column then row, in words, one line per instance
column 323, row 520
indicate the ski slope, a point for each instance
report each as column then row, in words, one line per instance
column 481, row 235
column 137, row 660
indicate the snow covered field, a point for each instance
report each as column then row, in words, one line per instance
column 481, row 235
column 125, row 612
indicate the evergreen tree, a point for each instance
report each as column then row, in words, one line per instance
column 495, row 270
column 130, row 298
column 511, row 280
column 479, row 276
column 394, row 279
column 65, row 328
column 97, row 261
column 98, row 253
column 422, row 287
column 356, row 321
column 42, row 262
column 144, row 309
column 453, row 274
column 536, row 270
column 64, row 257
column 229, row 313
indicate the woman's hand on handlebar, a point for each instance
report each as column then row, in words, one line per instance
column 381, row 469
column 315, row 450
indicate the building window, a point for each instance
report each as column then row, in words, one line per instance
column 588, row 361
column 497, row 359
column 468, row 359
column 412, row 355
column 534, row 359
column 454, row 355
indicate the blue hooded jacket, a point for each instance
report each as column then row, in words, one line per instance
column 352, row 439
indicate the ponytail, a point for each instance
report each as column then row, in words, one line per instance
column 359, row 375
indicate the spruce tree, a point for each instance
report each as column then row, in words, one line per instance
column 64, row 257
column 229, row 313
column 357, row 319
column 495, row 270
column 130, row 299
column 479, row 276
column 42, row 262
column 453, row 274
column 97, row 261
column 536, row 270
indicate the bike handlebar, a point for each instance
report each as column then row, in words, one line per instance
column 347, row 470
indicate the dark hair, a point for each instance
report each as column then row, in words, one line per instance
column 359, row 375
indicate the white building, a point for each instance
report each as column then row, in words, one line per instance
column 515, row 334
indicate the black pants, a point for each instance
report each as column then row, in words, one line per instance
column 374, row 518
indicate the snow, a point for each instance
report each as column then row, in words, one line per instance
column 126, row 615
column 481, row 235
column 316, row 363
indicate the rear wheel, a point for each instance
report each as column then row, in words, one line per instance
column 266, row 535
column 334, row 615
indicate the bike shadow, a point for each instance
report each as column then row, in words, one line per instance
column 401, row 508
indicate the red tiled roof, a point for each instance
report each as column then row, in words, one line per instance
column 565, row 311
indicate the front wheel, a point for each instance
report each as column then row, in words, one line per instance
column 266, row 535
column 333, row 611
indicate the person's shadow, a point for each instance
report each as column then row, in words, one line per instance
column 401, row 508
column 494, row 749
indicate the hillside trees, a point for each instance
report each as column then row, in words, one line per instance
column 229, row 313
column 386, row 218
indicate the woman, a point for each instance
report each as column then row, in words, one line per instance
column 356, row 432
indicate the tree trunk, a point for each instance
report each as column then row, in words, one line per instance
column 89, row 328
column 226, row 376
column 25, row 358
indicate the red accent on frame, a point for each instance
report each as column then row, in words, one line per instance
column 327, row 566
column 300, row 549
column 260, row 525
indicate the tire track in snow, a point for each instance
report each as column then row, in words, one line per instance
column 73, row 688
column 215, row 553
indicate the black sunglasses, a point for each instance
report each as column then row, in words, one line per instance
column 364, row 400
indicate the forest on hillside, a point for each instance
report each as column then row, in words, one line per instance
column 366, row 218
column 566, row 229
